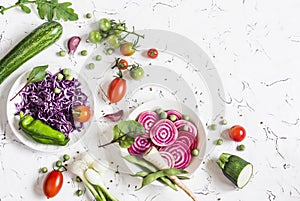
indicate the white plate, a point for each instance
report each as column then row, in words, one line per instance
column 182, row 72
column 167, row 104
column 13, row 119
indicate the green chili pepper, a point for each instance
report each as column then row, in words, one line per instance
column 49, row 141
column 41, row 132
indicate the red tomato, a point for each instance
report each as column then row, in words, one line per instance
column 127, row 49
column 82, row 113
column 116, row 90
column 152, row 53
column 53, row 183
column 123, row 64
column 237, row 133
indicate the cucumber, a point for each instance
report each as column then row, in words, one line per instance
column 36, row 41
column 236, row 169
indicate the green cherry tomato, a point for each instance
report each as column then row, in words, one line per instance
column 113, row 41
column 120, row 28
column 137, row 73
column 104, row 24
column 127, row 49
column 95, row 37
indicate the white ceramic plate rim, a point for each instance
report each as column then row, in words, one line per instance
column 14, row 119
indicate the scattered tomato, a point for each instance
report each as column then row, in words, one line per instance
column 136, row 73
column 123, row 64
column 237, row 133
column 82, row 113
column 116, row 89
column 53, row 183
column 127, row 49
column 152, row 53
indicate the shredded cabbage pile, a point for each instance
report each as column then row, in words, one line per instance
column 39, row 100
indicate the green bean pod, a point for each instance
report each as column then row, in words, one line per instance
column 40, row 131
column 150, row 167
column 161, row 173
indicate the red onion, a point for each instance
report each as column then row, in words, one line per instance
column 190, row 126
column 163, row 133
column 73, row 43
column 169, row 158
column 115, row 116
column 181, row 153
column 187, row 138
column 147, row 119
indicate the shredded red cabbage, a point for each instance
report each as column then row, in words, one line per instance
column 55, row 109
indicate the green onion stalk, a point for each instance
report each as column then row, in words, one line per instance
column 89, row 172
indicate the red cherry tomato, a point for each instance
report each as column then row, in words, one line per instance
column 82, row 113
column 116, row 89
column 127, row 49
column 237, row 133
column 53, row 183
column 152, row 53
column 123, row 64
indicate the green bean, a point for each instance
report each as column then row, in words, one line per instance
column 183, row 177
column 140, row 174
column 161, row 173
column 140, row 162
column 151, row 168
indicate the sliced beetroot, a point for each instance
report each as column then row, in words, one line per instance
column 147, row 119
column 139, row 146
column 163, row 133
column 169, row 158
column 177, row 114
column 181, row 153
column 190, row 126
column 187, row 138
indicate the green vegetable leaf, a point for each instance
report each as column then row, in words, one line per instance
column 47, row 9
column 37, row 74
column 42, row 8
column 63, row 11
column 131, row 128
column 25, row 9
column 125, row 132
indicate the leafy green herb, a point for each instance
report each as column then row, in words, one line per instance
column 47, row 9
column 36, row 75
column 125, row 132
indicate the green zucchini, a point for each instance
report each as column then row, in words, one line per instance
column 236, row 169
column 36, row 41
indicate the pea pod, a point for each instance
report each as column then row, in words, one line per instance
column 150, row 167
column 161, row 173
column 40, row 131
